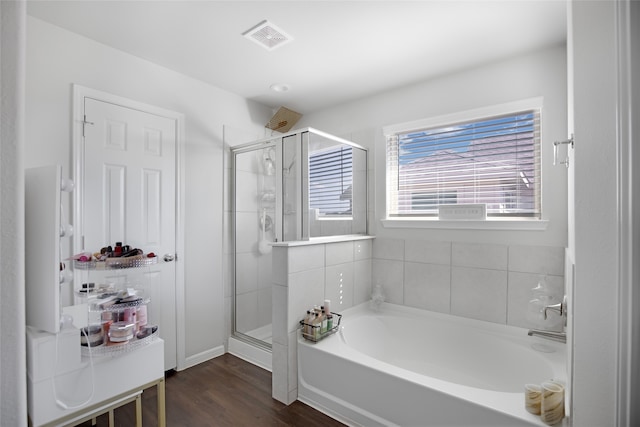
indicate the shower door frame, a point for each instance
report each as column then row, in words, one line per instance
column 241, row 149
column 301, row 189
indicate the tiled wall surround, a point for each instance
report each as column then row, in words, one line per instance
column 489, row 282
column 304, row 276
column 482, row 281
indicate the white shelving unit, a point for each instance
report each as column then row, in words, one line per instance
column 65, row 384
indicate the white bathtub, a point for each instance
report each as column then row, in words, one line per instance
column 409, row 367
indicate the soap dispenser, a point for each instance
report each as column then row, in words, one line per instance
column 541, row 298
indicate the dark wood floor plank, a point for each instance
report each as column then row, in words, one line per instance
column 222, row 392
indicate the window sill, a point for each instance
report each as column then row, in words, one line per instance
column 489, row 224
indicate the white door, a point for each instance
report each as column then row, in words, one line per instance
column 129, row 196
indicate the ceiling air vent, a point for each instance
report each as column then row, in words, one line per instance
column 267, row 35
column 283, row 120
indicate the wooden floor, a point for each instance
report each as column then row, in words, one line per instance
column 225, row 391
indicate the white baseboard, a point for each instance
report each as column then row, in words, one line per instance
column 204, row 356
column 250, row 353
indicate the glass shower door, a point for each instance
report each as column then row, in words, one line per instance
column 254, row 199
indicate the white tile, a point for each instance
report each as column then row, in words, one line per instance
column 246, row 195
column 303, row 258
column 390, row 275
column 247, row 305
column 361, row 281
column 362, row 249
column 292, row 396
column 245, row 162
column 265, row 306
column 247, row 232
column 306, row 289
column 479, row 294
column 265, row 267
column 246, row 272
column 338, row 253
column 427, row 286
column 339, row 286
column 279, row 315
column 392, row 249
column 280, row 265
column 292, row 371
column 537, row 259
column 427, row 251
column 279, row 372
column 520, row 285
column 479, row 255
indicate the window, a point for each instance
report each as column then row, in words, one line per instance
column 494, row 160
column 330, row 182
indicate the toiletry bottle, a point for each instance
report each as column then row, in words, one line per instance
column 329, row 322
column 141, row 316
column 541, row 299
column 307, row 324
column 327, row 306
column 317, row 324
column 323, row 323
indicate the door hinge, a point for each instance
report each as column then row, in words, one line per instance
column 85, row 123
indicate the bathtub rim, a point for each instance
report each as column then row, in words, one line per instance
column 510, row 404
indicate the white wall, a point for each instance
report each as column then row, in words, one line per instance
column 594, row 302
column 13, row 369
column 56, row 59
column 541, row 73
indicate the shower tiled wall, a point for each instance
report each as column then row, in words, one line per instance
column 490, row 282
column 304, row 276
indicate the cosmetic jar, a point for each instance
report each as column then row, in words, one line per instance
column 91, row 336
column 121, row 331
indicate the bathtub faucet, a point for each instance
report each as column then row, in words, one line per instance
column 561, row 310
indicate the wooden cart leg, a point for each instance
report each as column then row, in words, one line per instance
column 162, row 421
column 139, row 410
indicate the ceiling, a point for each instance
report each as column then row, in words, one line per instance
column 340, row 50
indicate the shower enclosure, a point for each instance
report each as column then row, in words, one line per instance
column 297, row 186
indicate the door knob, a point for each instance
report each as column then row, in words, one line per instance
column 169, row 257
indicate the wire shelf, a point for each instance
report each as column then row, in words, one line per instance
column 314, row 332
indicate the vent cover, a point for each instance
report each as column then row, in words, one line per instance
column 283, row 120
column 267, row 35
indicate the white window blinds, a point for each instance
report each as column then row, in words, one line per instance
column 330, row 181
column 493, row 161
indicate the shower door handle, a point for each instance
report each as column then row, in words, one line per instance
column 169, row 257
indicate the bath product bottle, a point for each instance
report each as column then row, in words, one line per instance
column 541, row 299
column 142, row 316
column 323, row 323
column 377, row 296
column 542, row 288
column 317, row 324
column 307, row 323
column 327, row 306
column 329, row 322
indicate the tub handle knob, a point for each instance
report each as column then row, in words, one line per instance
column 560, row 308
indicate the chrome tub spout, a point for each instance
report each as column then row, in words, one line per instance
column 555, row 336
